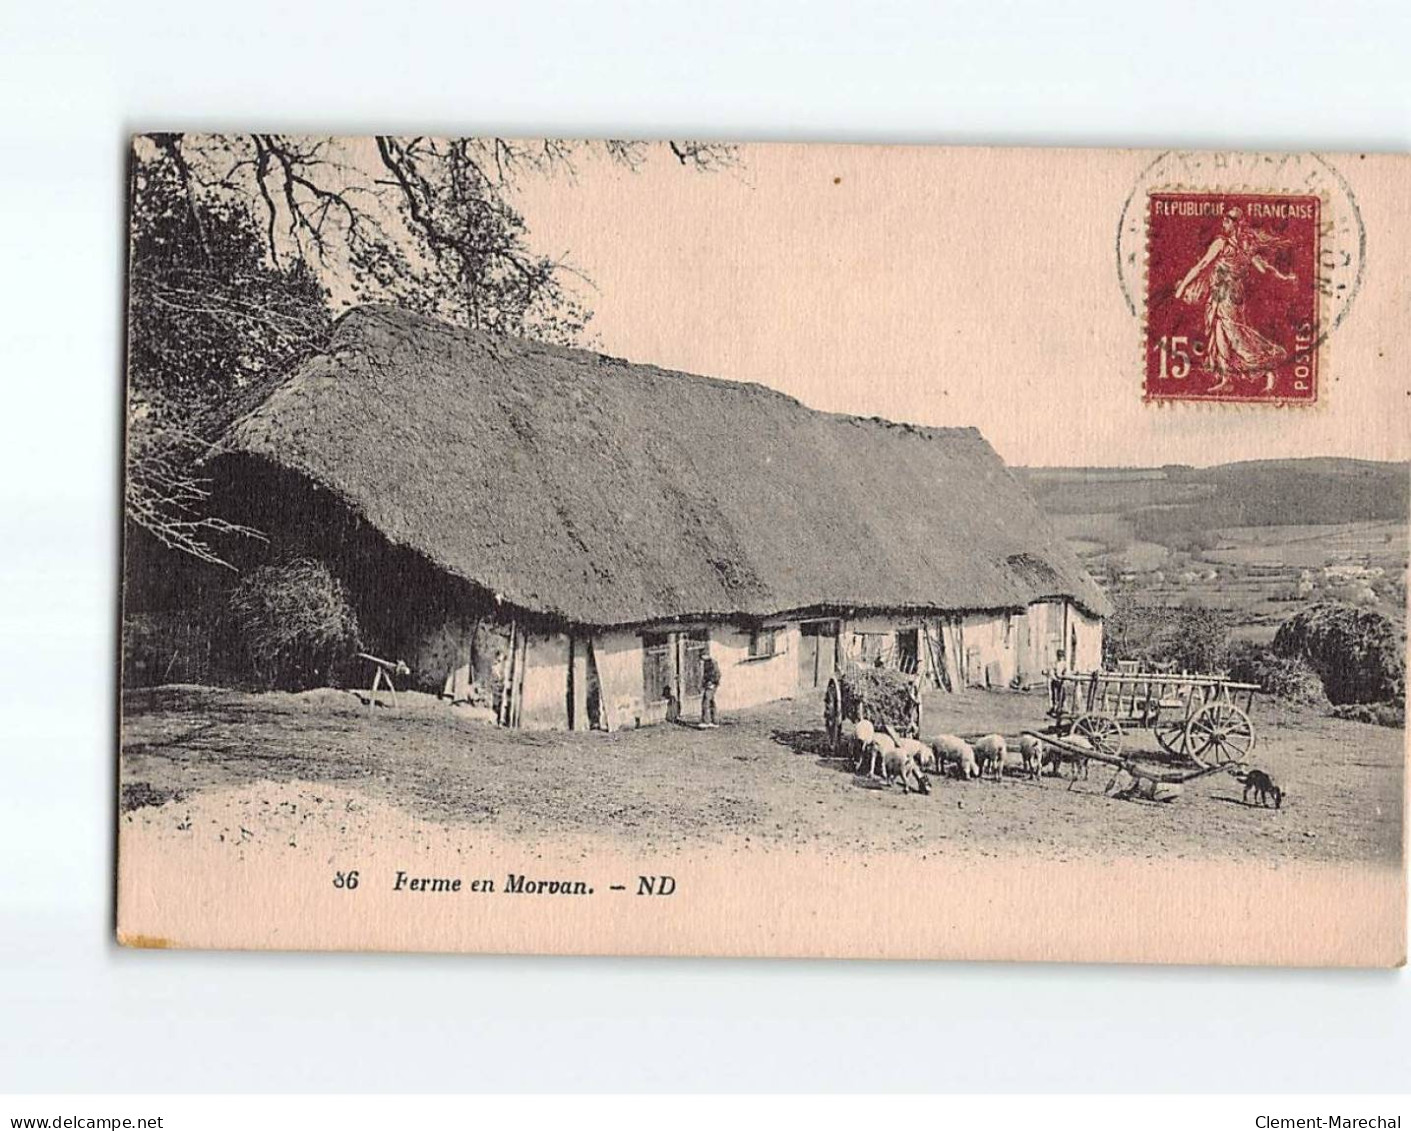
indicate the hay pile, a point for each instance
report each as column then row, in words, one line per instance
column 889, row 696
column 293, row 624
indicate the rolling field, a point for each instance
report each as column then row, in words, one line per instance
column 1256, row 540
column 1310, row 547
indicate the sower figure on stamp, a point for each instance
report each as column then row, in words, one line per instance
column 1219, row 281
column 710, row 680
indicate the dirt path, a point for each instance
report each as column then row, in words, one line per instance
column 216, row 764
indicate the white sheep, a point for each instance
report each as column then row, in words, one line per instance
column 992, row 753
column 863, row 733
column 927, row 760
column 917, row 755
column 969, row 765
column 875, row 752
column 950, row 748
column 897, row 764
column 1031, row 750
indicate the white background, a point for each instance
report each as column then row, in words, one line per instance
column 76, row 1013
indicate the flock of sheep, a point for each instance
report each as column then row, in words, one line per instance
column 910, row 760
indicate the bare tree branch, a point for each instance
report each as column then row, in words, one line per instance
column 237, row 238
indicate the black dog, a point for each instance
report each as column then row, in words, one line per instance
column 1262, row 786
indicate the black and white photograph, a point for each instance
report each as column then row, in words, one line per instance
column 573, row 520
column 666, row 565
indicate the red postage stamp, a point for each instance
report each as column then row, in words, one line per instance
column 1232, row 297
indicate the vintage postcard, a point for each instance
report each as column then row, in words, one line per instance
column 608, row 547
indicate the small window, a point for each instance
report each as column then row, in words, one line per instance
column 763, row 642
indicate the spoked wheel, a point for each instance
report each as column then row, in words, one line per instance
column 1103, row 733
column 1171, row 734
column 833, row 712
column 1219, row 734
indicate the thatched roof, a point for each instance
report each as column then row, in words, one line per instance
column 606, row 493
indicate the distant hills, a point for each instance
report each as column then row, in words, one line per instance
column 1161, row 501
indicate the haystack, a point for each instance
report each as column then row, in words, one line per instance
column 884, row 696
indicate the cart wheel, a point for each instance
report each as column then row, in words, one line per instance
column 1171, row 734
column 833, row 712
column 1219, row 734
column 1102, row 731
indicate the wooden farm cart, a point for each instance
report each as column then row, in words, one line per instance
column 1204, row 718
column 886, row 697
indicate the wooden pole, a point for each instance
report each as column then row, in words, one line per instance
column 507, row 682
column 519, row 687
column 519, row 644
column 518, row 681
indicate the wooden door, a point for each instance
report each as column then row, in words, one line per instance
column 827, row 655
column 808, row 657
column 658, row 667
column 1054, row 656
column 818, row 652
column 693, row 650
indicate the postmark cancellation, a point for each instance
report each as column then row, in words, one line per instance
column 1239, row 267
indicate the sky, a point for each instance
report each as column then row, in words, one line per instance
column 949, row 287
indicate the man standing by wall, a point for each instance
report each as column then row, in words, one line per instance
column 710, row 680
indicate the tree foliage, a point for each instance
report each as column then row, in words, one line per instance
column 210, row 318
column 242, row 246
column 1291, row 678
column 1161, row 637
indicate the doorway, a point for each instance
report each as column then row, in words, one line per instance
column 908, row 655
column 818, row 652
column 693, row 647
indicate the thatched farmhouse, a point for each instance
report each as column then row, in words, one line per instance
column 559, row 536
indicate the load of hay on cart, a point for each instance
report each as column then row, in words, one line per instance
column 1202, row 718
column 890, row 699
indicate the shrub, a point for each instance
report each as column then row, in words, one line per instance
column 167, row 646
column 1291, row 678
column 1377, row 714
column 1360, row 654
column 291, row 625
column 1189, row 639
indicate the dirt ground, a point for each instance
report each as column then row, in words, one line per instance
column 234, row 767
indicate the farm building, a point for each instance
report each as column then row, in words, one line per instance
column 559, row 536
